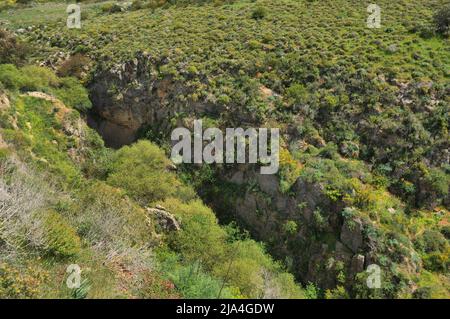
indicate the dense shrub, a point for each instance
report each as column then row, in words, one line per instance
column 243, row 263
column 12, row 50
column 297, row 93
column 108, row 220
column 436, row 261
column 111, row 8
column 61, row 239
column 442, row 21
column 156, row 287
column 137, row 5
column 259, row 13
column 351, row 94
column 35, row 78
column 10, row 77
column 431, row 241
column 75, row 66
column 28, row 78
column 193, row 282
column 25, row 282
column 142, row 170
column 73, row 94
column 201, row 237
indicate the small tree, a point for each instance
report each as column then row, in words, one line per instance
column 259, row 13
column 11, row 50
column 442, row 21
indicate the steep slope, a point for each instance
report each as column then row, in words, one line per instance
column 66, row 199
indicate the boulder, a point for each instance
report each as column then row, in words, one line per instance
column 392, row 48
column 357, row 264
column 268, row 183
column 4, row 101
column 351, row 234
column 166, row 220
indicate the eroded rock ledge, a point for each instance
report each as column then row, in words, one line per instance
column 132, row 96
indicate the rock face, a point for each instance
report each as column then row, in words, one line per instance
column 351, row 234
column 357, row 264
column 4, row 101
column 133, row 96
column 165, row 219
column 130, row 96
column 315, row 249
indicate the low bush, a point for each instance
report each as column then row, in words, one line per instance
column 12, row 50
column 35, row 78
column 259, row 13
column 73, row 94
column 149, row 179
column 431, row 241
column 442, row 21
column 21, row 283
column 61, row 239
column 75, row 66
column 111, row 8
column 241, row 263
column 10, row 77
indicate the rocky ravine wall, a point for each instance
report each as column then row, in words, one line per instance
column 313, row 254
column 131, row 96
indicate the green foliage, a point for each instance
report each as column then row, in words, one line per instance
column 378, row 99
column 311, row 291
column 298, row 93
column 320, row 221
column 73, row 94
column 82, row 291
column 240, row 263
column 142, row 170
column 439, row 181
column 155, row 286
column 193, row 283
column 337, row 293
column 38, row 78
column 21, row 283
column 290, row 227
column 442, row 20
column 431, row 286
column 437, row 262
column 36, row 131
column 105, row 218
column 61, row 239
column 431, row 241
column 259, row 13
column 12, row 50
column 201, row 237
column 137, row 5
column 34, row 78
column 10, row 77
column 74, row 66
column 111, row 8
